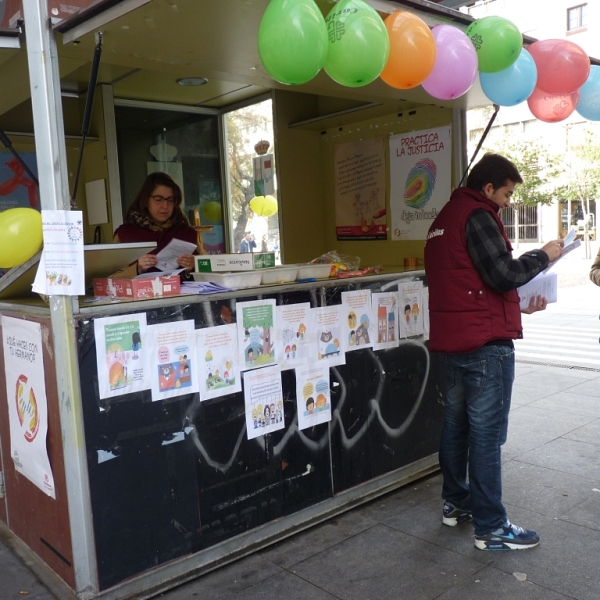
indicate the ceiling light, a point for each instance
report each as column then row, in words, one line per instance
column 192, row 81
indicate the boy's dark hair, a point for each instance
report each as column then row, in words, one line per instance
column 494, row 169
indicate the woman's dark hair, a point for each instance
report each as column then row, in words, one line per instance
column 494, row 169
column 140, row 203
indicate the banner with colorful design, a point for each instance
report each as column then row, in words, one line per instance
column 420, row 180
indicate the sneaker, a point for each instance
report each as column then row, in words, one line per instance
column 508, row 537
column 454, row 516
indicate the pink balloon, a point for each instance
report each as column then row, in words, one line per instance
column 562, row 66
column 552, row 108
column 455, row 67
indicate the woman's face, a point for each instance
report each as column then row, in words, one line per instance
column 161, row 204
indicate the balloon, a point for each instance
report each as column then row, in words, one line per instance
column 497, row 41
column 412, row 51
column 455, row 66
column 589, row 96
column 513, row 85
column 212, row 211
column 563, row 66
column 263, row 206
column 292, row 40
column 21, row 236
column 552, row 108
column 358, row 43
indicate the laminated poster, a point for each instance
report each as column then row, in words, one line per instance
column 385, row 310
column 263, row 397
column 312, row 395
column 218, row 369
column 121, row 355
column 297, row 327
column 410, row 295
column 27, row 403
column 172, row 359
column 357, row 324
column 256, row 334
column 331, row 348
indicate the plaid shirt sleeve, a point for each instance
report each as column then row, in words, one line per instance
column 493, row 261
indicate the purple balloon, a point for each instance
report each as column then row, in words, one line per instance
column 455, row 67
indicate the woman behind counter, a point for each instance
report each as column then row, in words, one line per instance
column 156, row 216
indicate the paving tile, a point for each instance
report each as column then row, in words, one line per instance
column 492, row 583
column 542, row 490
column 382, row 563
column 523, row 394
column 566, row 456
column 590, row 433
column 590, row 387
column 554, row 379
column 567, row 402
column 587, row 513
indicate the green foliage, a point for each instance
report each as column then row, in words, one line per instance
column 582, row 163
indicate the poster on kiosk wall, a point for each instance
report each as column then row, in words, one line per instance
column 420, row 180
column 27, row 404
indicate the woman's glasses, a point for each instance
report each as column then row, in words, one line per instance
column 159, row 200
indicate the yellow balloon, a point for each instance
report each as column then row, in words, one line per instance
column 20, row 235
column 263, row 206
column 212, row 211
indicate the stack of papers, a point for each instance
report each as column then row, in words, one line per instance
column 202, row 287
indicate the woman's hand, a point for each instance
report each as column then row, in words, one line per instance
column 186, row 261
column 146, row 262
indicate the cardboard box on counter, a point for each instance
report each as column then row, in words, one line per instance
column 136, row 289
column 209, row 263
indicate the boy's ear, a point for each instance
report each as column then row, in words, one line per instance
column 488, row 190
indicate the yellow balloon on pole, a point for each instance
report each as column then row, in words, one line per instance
column 263, row 206
column 20, row 236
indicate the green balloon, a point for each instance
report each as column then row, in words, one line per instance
column 359, row 45
column 292, row 40
column 498, row 43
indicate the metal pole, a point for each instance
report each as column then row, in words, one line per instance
column 54, row 194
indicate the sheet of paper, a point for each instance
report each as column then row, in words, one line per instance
column 331, row 348
column 297, row 328
column 410, row 295
column 357, row 326
column 256, row 323
column 121, row 355
column 27, row 403
column 312, row 395
column 218, row 369
column 544, row 284
column 385, row 311
column 263, row 399
column 167, row 257
column 63, row 252
column 172, row 356
column 40, row 283
column 566, row 249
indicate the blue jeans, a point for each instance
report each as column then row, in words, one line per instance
column 479, row 387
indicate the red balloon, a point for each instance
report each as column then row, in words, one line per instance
column 552, row 108
column 562, row 66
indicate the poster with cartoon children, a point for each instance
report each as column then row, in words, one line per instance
column 173, row 363
column 330, row 346
column 312, row 395
column 410, row 298
column 256, row 322
column 357, row 324
column 121, row 355
column 298, row 337
column 385, row 309
column 263, row 399
column 218, row 369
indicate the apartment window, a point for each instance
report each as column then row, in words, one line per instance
column 577, row 17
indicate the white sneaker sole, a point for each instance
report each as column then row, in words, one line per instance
column 482, row 545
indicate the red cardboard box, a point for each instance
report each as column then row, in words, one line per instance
column 135, row 289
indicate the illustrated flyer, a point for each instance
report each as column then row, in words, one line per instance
column 218, row 369
column 297, row 327
column 411, row 304
column 263, row 398
column 256, row 334
column 420, row 180
column 172, row 359
column 121, row 355
column 357, row 323
column 330, row 347
column 385, row 310
column 312, row 395
column 27, row 403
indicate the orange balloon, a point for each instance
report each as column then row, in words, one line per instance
column 412, row 51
